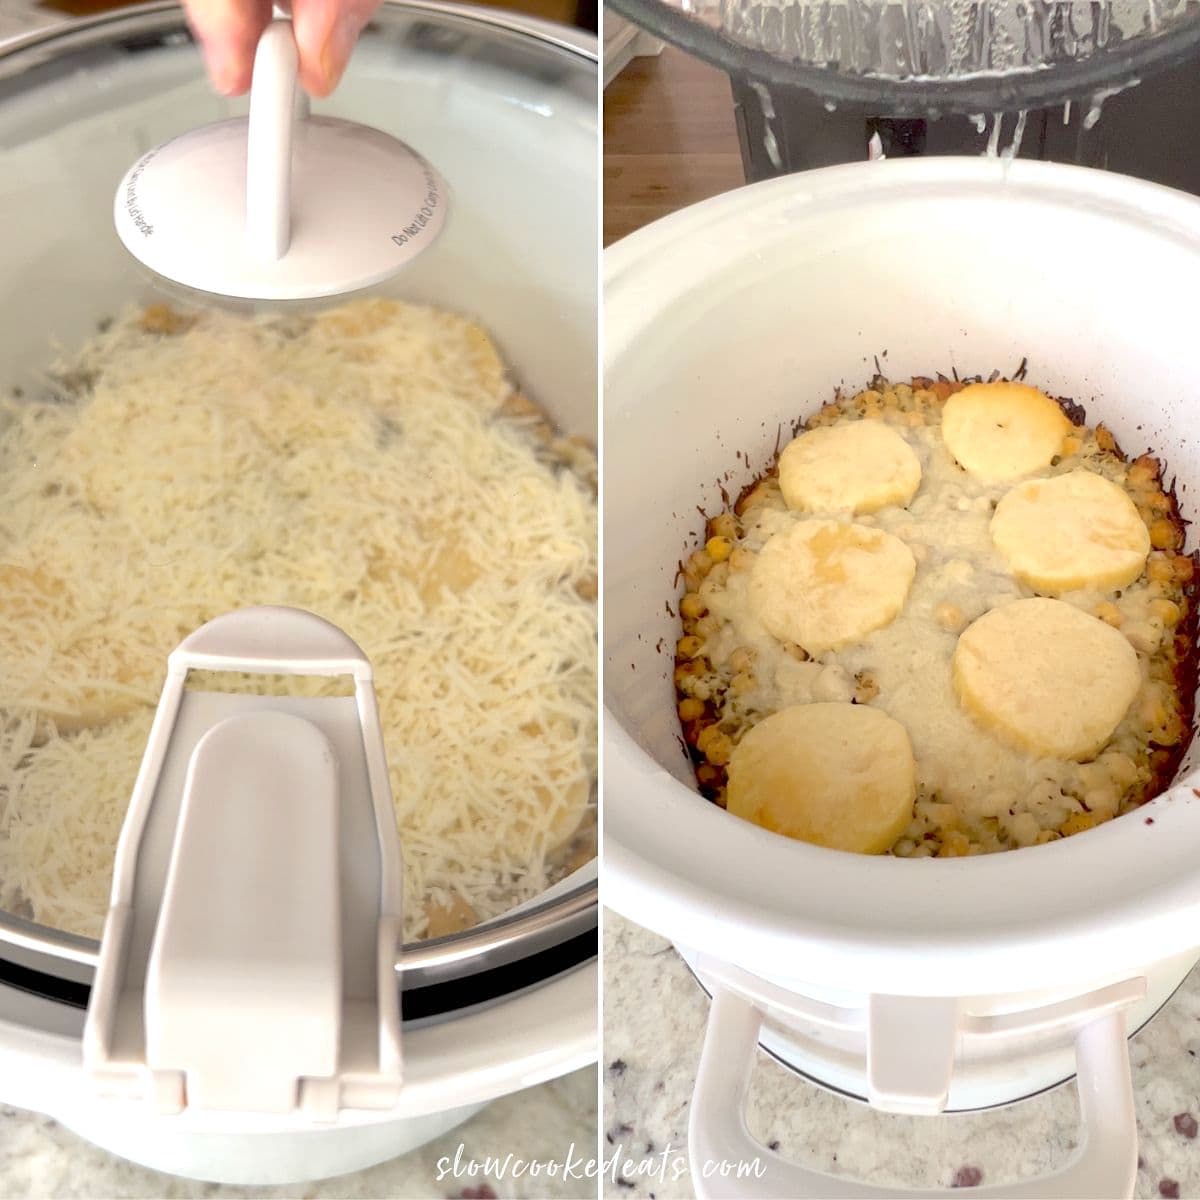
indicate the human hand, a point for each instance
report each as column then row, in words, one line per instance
column 326, row 31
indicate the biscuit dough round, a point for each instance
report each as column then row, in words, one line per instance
column 1077, row 530
column 1047, row 677
column 1001, row 431
column 836, row 775
column 858, row 466
column 826, row 584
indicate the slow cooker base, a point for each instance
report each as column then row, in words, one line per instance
column 268, row 1158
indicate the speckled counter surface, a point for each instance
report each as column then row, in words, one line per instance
column 40, row 1160
column 653, row 1028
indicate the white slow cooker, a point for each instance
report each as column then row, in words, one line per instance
column 505, row 107
column 920, row 986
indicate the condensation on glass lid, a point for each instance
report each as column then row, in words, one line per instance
column 372, row 463
column 944, row 39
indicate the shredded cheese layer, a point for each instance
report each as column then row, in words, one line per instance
column 368, row 463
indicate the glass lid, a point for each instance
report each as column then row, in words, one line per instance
column 414, row 464
column 940, row 56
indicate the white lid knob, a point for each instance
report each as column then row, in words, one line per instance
column 271, row 208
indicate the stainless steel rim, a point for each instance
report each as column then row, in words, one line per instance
column 504, row 940
column 507, row 939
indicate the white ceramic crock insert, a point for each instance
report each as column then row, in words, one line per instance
column 722, row 323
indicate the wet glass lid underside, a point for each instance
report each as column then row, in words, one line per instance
column 913, row 58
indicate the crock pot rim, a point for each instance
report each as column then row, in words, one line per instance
column 1025, row 953
column 438, row 961
column 1117, row 194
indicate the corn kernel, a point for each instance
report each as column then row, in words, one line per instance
column 1105, row 439
column 1071, row 445
column 691, row 709
column 1160, row 569
column 1163, row 535
column 742, row 683
column 715, row 745
column 756, row 496
column 742, row 659
column 741, row 559
column 718, row 549
column 1142, row 470
column 691, row 606
column 720, row 752
column 724, row 525
column 1109, row 613
column 1182, row 568
column 954, row 845
column 701, row 563
column 688, row 647
column 1077, row 823
column 1166, row 611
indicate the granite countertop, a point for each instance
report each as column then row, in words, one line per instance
column 654, row 1016
column 39, row 1159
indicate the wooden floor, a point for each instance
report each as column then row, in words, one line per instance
column 669, row 140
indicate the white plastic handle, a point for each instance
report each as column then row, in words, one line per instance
column 719, row 1141
column 269, row 142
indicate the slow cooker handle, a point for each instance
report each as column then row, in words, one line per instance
column 718, row 1137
